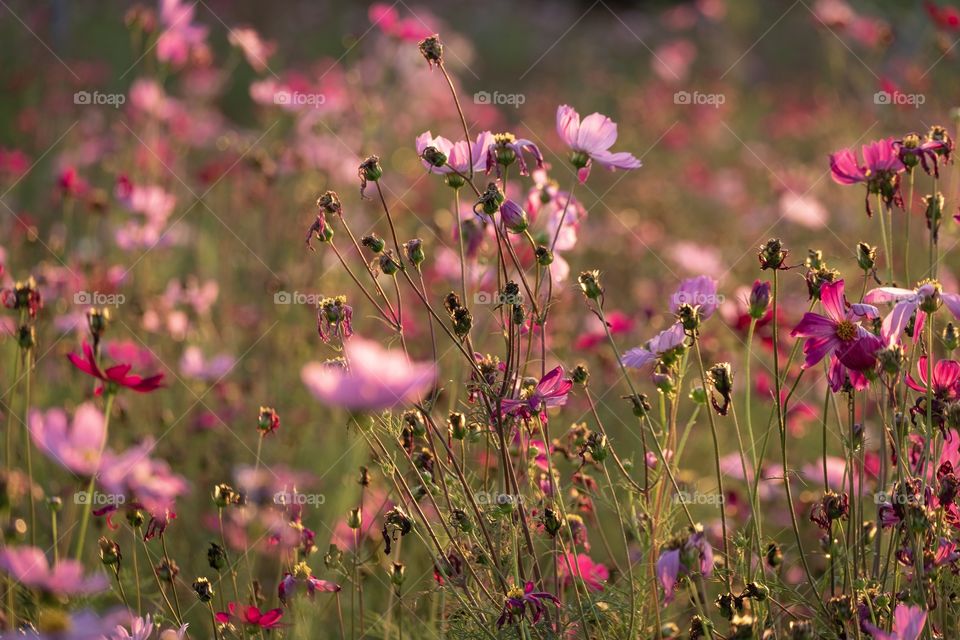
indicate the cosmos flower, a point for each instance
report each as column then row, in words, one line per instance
column 29, row 566
column 256, row 50
column 695, row 554
column 946, row 374
column 551, row 391
column 458, row 153
column 664, row 342
column 880, row 170
column 179, row 37
column 907, row 302
column 521, row 602
column 143, row 479
column 302, row 577
column 116, row 376
column 376, row 378
column 76, row 446
column 700, row 291
column 250, row 616
column 505, row 148
column 594, row 574
column 908, row 623
column 590, row 141
column 839, row 331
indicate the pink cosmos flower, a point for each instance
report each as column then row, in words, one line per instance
column 116, row 376
column 907, row 303
column 696, row 292
column 193, row 364
column 839, row 332
column 179, row 36
column 148, row 481
column 250, row 616
column 77, row 447
column 290, row 583
column 388, row 19
column 594, row 574
column 908, row 623
column 663, row 342
column 946, row 375
column 29, row 566
column 375, row 378
column 880, row 170
column 591, row 140
column 673, row 563
column 551, row 391
column 458, row 153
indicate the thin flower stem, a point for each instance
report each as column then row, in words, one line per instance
column 88, row 505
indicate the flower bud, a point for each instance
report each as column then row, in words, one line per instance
column 329, row 202
column 597, row 446
column 641, row 405
column 580, row 374
column 757, row 591
column 462, row 321
column 27, row 337
column 369, row 171
column 203, row 589
column 167, row 571
column 414, row 251
column 216, row 557
column 950, row 337
column 432, row 50
column 801, row 630
column 461, row 521
column 866, row 257
column 455, row 180
column 109, row 551
column 774, row 555
column 268, row 421
column 457, row 423
column 490, row 200
column 720, row 377
column 224, row 496
column 590, row 284
column 689, row 317
column 373, row 242
column 434, row 157
column 388, row 265
column 933, row 205
column 97, row 322
column 544, row 256
column 514, row 218
column 396, row 573
column 772, row 255
column 759, row 299
column 355, row 518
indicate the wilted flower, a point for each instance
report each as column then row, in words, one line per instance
column 507, row 148
column 302, row 575
column 334, row 318
column 523, row 601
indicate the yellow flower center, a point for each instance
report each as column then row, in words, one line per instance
column 846, row 331
column 515, row 592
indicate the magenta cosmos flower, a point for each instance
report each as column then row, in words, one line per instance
column 29, row 566
column 946, row 375
column 148, row 481
column 519, row 602
column 458, row 153
column 880, row 170
column 113, row 377
column 663, row 343
column 551, row 391
column 590, row 140
column 76, row 445
column 250, row 616
column 374, row 378
column 908, row 623
column 839, row 333
column 302, row 577
column 594, row 574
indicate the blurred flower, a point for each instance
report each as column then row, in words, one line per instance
column 148, row 480
column 250, row 616
column 908, row 624
column 693, row 554
column 193, row 364
column 591, row 140
column 594, row 574
column 115, row 376
column 179, row 37
column 255, row 50
column 519, row 601
column 29, row 566
column 77, row 447
column 458, row 153
column 376, row 379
